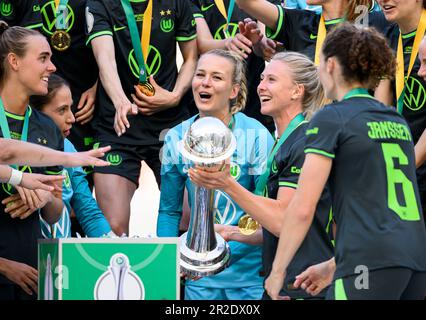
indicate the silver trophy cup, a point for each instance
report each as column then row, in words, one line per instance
column 203, row 252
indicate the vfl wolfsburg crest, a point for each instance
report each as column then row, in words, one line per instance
column 8, row 188
column 231, row 32
column 415, row 94
column 153, row 62
column 114, row 159
column 235, row 171
column 65, row 17
column 6, row 9
column 167, row 24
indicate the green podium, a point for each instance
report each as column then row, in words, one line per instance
column 108, row 269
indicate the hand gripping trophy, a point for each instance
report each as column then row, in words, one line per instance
column 207, row 143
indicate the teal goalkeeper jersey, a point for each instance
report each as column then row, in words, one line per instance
column 253, row 145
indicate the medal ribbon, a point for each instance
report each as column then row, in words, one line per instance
column 60, row 10
column 227, row 15
column 322, row 32
column 5, row 126
column 400, row 74
column 297, row 121
column 141, row 46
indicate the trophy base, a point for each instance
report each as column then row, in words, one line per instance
column 196, row 264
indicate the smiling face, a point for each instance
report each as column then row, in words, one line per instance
column 59, row 110
column 212, row 85
column 399, row 10
column 277, row 88
column 34, row 68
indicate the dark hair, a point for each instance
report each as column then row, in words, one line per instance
column 363, row 54
column 55, row 83
column 424, row 4
column 12, row 39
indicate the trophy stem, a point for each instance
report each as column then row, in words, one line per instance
column 203, row 251
column 201, row 236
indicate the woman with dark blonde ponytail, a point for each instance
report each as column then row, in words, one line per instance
column 219, row 88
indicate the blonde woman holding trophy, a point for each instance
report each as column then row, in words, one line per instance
column 219, row 88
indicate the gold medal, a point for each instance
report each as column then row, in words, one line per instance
column 60, row 40
column 247, row 225
column 146, row 88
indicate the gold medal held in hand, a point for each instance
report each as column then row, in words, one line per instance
column 60, row 40
column 247, row 225
column 146, row 88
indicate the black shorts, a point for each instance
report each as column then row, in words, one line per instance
column 82, row 136
column 126, row 160
column 381, row 284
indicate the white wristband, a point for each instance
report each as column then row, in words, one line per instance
column 15, row 178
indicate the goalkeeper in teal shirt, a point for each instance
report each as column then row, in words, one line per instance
column 219, row 89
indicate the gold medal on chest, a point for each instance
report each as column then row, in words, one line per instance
column 60, row 40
